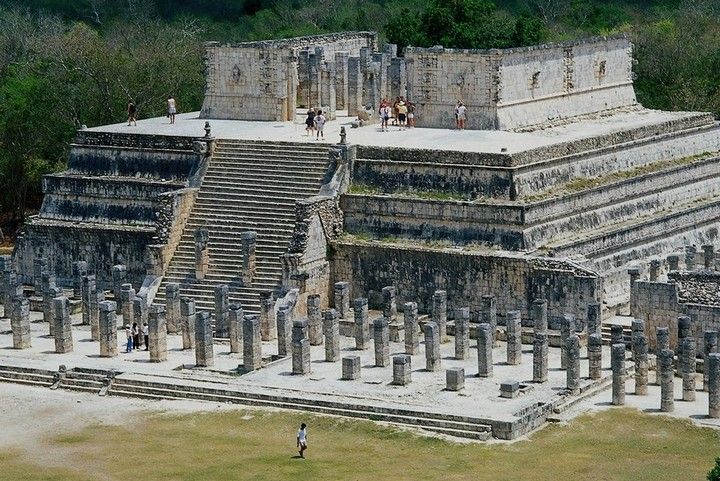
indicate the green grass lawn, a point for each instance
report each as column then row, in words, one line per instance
column 618, row 444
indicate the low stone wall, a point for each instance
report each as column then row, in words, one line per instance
column 137, row 141
column 132, row 162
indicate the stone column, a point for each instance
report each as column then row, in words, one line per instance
column 567, row 327
column 119, row 273
column 488, row 314
column 127, row 296
column 455, row 379
column 88, row 292
column 157, row 333
column 412, row 337
column 284, row 332
column 381, row 335
column 389, row 303
column 350, row 368
column 654, row 270
column 634, row 273
column 684, row 331
column 710, row 346
column 439, row 313
column 667, row 385
column 662, row 342
column 12, row 288
column 63, row 327
column 202, row 253
column 204, row 355
column 268, row 327
column 638, row 329
column 79, row 270
column 594, row 318
column 690, row 252
column 616, row 334
column 673, row 263
column 187, row 316
column 595, row 356
column 572, row 374
column 402, row 369
column 398, row 78
column 485, row 347
column 172, row 307
column 640, row 353
column 331, row 330
column 315, row 323
column 300, row 348
column 708, row 256
column 362, row 325
column 20, row 323
column 48, row 309
column 39, row 266
column 713, row 368
column 235, row 326
column 514, row 338
column 108, row 329
column 252, row 343
column 341, row 79
column 617, row 361
column 47, row 280
column 688, row 368
column 342, row 299
column 139, row 307
column 222, row 302
column 248, row 243
column 95, row 315
column 355, row 87
column 538, row 312
column 462, row 333
column 432, row 347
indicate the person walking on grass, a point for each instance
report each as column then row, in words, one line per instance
column 171, row 109
column 320, row 124
column 302, row 440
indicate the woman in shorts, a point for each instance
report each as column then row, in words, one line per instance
column 310, row 122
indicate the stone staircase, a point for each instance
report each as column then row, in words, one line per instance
column 248, row 186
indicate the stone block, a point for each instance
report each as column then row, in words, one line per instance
column 509, row 389
column 350, row 368
column 204, row 353
column 455, row 379
column 402, row 369
column 157, row 333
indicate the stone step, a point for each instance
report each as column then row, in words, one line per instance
column 298, row 172
column 243, row 158
column 222, row 185
column 266, row 180
column 245, row 197
column 202, row 211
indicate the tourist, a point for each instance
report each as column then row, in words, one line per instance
column 136, row 335
column 302, row 439
column 310, row 122
column 128, row 334
column 171, row 109
column 396, row 111
column 410, row 114
column 320, row 124
column 146, row 334
column 402, row 114
column 384, row 115
column 132, row 113
column 461, row 116
column 457, row 119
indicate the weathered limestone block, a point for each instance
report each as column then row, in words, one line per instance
column 617, row 361
column 342, row 299
column 540, row 356
column 710, row 346
column 455, row 379
column 204, row 354
column 655, row 265
column 331, row 331
column 567, row 327
column 108, row 329
column 389, row 303
column 662, row 339
column 222, row 303
column 572, row 374
column 488, row 314
column 88, row 291
column 684, row 331
column 119, row 272
column 708, row 256
column 485, row 347
column 79, row 270
column 48, row 309
column 462, row 333
column 284, row 332
column 40, row 265
column 157, row 333
column 63, row 328
column 402, row 369
column 362, row 324
column 315, row 323
column 9, row 278
column 268, row 327
column 667, row 384
column 202, row 253
column 12, row 288
column 538, row 312
column 688, row 368
column 412, row 337
column 248, row 244
column 127, row 308
column 640, row 356
column 95, row 314
column 432, row 347
column 509, row 389
column 594, row 318
column 690, row 252
column 172, row 307
column 235, row 321
column 381, row 336
column 637, row 329
column 187, row 317
column 252, row 343
column 634, row 274
column 616, row 334
column 350, row 368
column 673, row 263
column 595, row 356
column 300, row 348
column 713, row 369
column 514, row 338
column 20, row 323
column 439, row 313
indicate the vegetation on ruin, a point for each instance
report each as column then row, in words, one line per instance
column 618, row 444
column 67, row 63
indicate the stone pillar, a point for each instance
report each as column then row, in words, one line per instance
column 567, row 327
column 488, row 314
column 331, row 330
column 341, row 79
column 684, row 330
column 662, row 339
column 222, row 302
column 713, row 368
column 12, row 288
column 389, row 303
column 616, row 334
column 140, row 312
column 355, row 87
column 95, row 314
column 514, row 338
column 398, row 78
column 455, row 379
column 204, row 355
column 594, row 318
column 381, row 335
column 637, row 329
column 439, row 313
column 688, row 368
column 157, row 333
column 708, row 256
column 710, row 346
column 315, row 323
column 39, row 266
column 187, row 316
column 362, row 325
column 284, row 332
column 63, row 328
column 235, row 326
column 252, row 344
column 350, row 368
column 640, row 356
column 48, row 309
column 248, row 244
column 47, row 280
column 127, row 296
column 462, row 333
column 690, row 252
column 673, row 263
column 432, row 347
column 108, row 329
column 172, row 307
column 412, row 337
column 654, row 270
column 402, row 369
column 119, row 273
column 300, row 348
column 20, row 323
column 202, row 253
column 572, row 374
column 342, row 299
column 88, row 293
column 538, row 313
column 617, row 361
column 79, row 270
column 667, row 385
column 268, row 327
column 595, row 356
column 485, row 346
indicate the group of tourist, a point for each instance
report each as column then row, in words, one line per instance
column 133, row 336
column 315, row 122
column 132, row 111
column 401, row 113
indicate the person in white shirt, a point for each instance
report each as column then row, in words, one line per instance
column 302, row 439
column 461, row 116
column 320, row 124
column 171, row 109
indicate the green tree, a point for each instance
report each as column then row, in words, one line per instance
column 714, row 473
